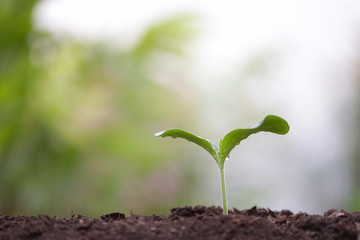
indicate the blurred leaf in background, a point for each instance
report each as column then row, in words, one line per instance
column 77, row 120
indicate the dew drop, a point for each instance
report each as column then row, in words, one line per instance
column 159, row 134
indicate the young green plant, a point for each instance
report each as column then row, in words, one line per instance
column 270, row 123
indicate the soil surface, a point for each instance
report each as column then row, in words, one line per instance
column 188, row 223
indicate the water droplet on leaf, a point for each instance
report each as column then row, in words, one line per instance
column 159, row 133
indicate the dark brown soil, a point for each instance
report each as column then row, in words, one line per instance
column 188, row 223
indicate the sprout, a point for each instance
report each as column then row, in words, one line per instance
column 270, row 123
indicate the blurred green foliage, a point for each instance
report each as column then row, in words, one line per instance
column 77, row 121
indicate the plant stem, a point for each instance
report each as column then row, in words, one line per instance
column 223, row 191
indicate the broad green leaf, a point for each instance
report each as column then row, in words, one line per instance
column 270, row 123
column 208, row 145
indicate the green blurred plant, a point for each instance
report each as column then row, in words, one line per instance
column 74, row 114
column 270, row 123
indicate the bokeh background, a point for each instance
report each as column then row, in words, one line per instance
column 84, row 85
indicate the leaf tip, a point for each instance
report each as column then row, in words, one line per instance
column 284, row 126
column 158, row 134
column 287, row 129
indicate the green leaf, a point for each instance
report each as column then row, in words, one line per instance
column 270, row 123
column 208, row 145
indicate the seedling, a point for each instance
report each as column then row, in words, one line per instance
column 270, row 123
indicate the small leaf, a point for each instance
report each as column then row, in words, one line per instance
column 270, row 123
column 208, row 145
